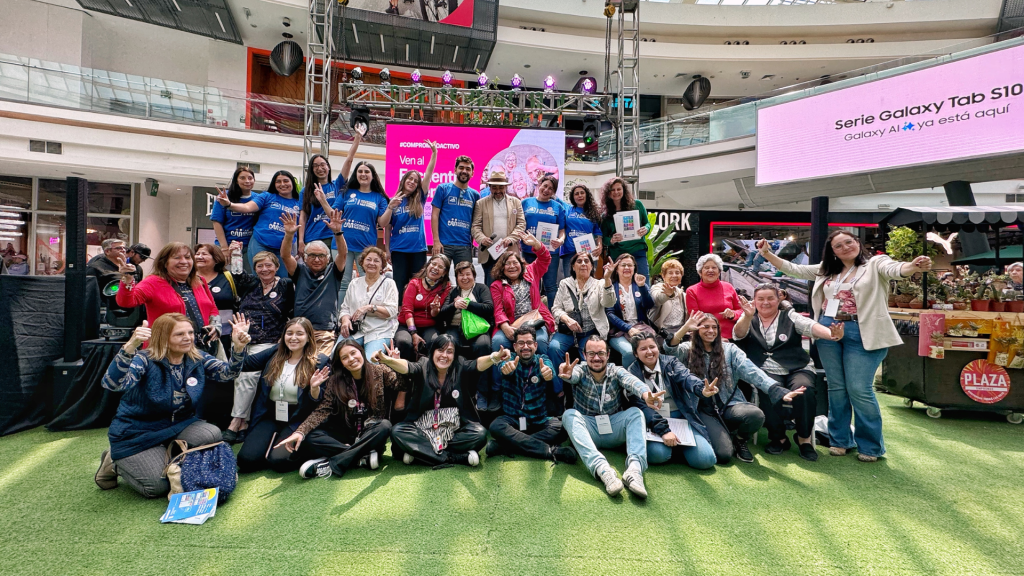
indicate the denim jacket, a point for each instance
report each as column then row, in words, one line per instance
column 738, row 367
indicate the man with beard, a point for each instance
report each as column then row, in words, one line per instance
column 600, row 418
column 452, row 215
column 525, row 428
column 497, row 218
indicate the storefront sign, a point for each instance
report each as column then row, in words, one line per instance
column 985, row 382
column 675, row 219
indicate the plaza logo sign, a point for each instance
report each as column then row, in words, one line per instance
column 985, row 382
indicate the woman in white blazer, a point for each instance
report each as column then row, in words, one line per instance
column 852, row 287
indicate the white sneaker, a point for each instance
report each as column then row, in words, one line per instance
column 633, row 478
column 316, row 468
column 407, row 458
column 474, row 458
column 370, row 461
column 612, row 484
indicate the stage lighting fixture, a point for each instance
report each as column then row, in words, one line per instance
column 357, row 75
column 481, row 80
column 586, row 85
column 360, row 120
column 286, row 58
column 447, row 78
column 696, row 93
column 385, row 77
column 591, row 129
column 517, row 82
column 415, row 76
column 549, row 84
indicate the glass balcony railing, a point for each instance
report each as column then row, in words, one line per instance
column 49, row 83
column 736, row 118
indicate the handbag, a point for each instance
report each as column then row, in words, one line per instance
column 533, row 319
column 473, row 325
column 202, row 467
column 576, row 315
column 357, row 325
column 447, row 424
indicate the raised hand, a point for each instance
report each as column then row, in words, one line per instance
column 655, row 399
column 318, row 192
column 669, row 291
column 565, row 370
column 290, row 223
column 639, row 279
column 393, row 350
column 435, row 305
column 692, row 321
column 747, row 306
column 235, row 246
column 335, row 221
column 710, row 388
column 140, row 336
column 433, row 146
column 503, row 354
column 291, row 443
column 222, row 197
column 609, row 268
column 922, row 263
column 240, row 330
column 123, row 266
column 531, row 240
column 837, row 331
column 546, row 372
column 764, row 247
column 789, row 397
column 510, row 367
column 319, row 377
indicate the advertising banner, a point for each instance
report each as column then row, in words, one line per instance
column 454, row 12
column 525, row 155
column 964, row 109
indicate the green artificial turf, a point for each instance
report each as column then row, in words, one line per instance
column 949, row 499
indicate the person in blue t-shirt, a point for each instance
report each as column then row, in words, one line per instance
column 581, row 218
column 268, row 233
column 403, row 223
column 545, row 208
column 452, row 214
column 232, row 226
column 362, row 204
column 312, row 219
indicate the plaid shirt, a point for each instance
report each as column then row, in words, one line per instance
column 524, row 391
column 587, row 392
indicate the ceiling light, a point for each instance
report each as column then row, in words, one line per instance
column 8, row 227
column 18, row 222
column 10, row 214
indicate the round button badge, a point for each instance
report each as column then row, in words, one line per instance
column 352, row 403
column 455, row 394
column 273, row 294
column 192, row 381
column 215, row 289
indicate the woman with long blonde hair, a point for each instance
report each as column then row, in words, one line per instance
column 289, row 391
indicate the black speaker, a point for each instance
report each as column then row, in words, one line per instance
column 74, row 269
column 286, row 58
column 696, row 93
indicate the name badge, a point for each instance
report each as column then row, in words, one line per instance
column 273, row 294
column 455, row 394
column 604, row 424
column 522, row 423
column 832, row 307
column 783, row 337
column 352, row 403
column 637, row 294
column 281, row 411
column 192, row 381
column 534, row 379
column 215, row 289
column 419, row 297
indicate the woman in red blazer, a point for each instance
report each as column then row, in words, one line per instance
column 173, row 286
column 516, row 291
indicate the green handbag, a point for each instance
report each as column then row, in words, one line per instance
column 473, row 325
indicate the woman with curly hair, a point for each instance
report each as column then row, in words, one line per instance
column 581, row 219
column 616, row 197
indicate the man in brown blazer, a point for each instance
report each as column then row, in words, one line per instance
column 497, row 218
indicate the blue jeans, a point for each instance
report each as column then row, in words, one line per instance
column 255, row 248
column 627, row 428
column 622, row 345
column 550, row 276
column 701, row 456
column 567, row 265
column 371, row 347
column 499, row 340
column 851, row 374
column 350, row 260
column 642, row 266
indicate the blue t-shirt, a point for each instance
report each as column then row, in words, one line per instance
column 407, row 232
column 577, row 224
column 237, row 225
column 361, row 211
column 536, row 211
column 268, row 230
column 456, row 214
column 316, row 224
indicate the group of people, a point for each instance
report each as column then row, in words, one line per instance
column 328, row 365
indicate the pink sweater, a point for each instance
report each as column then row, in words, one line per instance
column 715, row 299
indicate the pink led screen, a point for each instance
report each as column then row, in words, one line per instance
column 964, row 109
column 524, row 155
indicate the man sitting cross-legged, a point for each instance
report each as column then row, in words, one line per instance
column 526, row 428
column 601, row 419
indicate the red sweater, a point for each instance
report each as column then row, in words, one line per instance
column 505, row 300
column 419, row 308
column 159, row 298
column 715, row 299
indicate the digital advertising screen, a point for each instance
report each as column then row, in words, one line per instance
column 963, row 109
column 524, row 154
column 454, row 12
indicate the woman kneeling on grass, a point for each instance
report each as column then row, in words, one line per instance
column 350, row 426
column 442, row 426
column 162, row 386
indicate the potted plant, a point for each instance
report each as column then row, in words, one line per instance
column 937, row 349
column 997, row 304
column 999, row 281
column 961, row 297
column 979, row 300
column 917, row 302
column 1013, row 301
column 972, row 329
column 906, row 290
column 956, row 329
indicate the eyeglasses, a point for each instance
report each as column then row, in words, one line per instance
column 844, row 244
column 119, row 249
column 526, row 344
column 316, row 256
column 321, row 165
column 596, row 354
